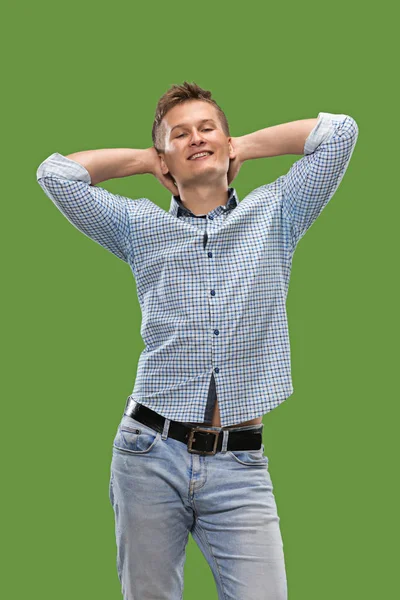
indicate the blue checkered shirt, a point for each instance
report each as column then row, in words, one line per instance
column 212, row 290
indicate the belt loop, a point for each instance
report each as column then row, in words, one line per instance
column 164, row 434
column 225, row 440
column 126, row 404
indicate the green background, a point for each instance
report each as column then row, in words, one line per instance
column 86, row 76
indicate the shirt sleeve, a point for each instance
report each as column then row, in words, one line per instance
column 312, row 181
column 99, row 214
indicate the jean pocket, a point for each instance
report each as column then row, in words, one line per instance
column 250, row 458
column 135, row 437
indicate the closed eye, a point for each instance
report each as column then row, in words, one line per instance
column 207, row 129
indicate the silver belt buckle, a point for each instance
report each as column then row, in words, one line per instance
column 193, row 439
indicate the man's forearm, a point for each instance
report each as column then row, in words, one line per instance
column 111, row 163
column 287, row 138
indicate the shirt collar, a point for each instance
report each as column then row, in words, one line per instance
column 177, row 209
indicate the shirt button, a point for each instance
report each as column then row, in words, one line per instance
column 216, row 331
column 210, row 217
column 209, row 254
column 216, row 370
column 212, row 292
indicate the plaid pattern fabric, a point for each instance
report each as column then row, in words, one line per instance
column 212, row 290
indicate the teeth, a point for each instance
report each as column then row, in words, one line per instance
column 200, row 154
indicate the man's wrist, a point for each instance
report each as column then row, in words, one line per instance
column 277, row 140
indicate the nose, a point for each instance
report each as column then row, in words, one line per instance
column 195, row 138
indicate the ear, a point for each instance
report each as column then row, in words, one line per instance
column 163, row 166
column 232, row 150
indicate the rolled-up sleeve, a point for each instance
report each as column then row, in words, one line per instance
column 99, row 214
column 312, row 181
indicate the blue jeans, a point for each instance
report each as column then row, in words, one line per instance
column 160, row 492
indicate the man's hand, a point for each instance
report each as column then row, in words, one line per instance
column 155, row 169
column 235, row 163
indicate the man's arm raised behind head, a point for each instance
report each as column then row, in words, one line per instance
column 112, row 163
column 100, row 215
column 123, row 162
column 69, row 181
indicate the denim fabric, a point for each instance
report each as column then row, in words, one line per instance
column 160, row 493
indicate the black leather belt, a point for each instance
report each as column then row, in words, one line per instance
column 198, row 439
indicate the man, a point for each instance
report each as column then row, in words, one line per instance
column 212, row 276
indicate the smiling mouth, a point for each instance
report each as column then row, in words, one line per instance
column 200, row 158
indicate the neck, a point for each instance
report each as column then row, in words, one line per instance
column 203, row 199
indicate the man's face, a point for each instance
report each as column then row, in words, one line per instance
column 190, row 128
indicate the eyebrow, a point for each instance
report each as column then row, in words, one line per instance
column 200, row 122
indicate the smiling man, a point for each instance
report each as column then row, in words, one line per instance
column 212, row 276
column 197, row 152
